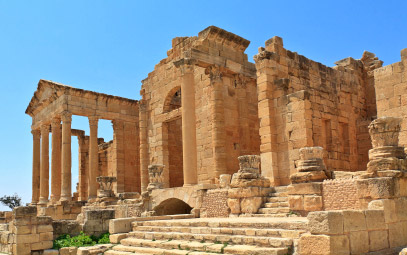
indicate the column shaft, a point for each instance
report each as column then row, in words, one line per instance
column 218, row 121
column 66, row 189
column 36, row 166
column 93, row 157
column 144, row 160
column 56, row 160
column 44, row 176
column 188, row 125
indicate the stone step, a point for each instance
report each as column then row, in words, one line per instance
column 273, row 210
column 280, row 194
column 174, row 247
column 265, row 215
column 277, row 199
column 216, row 231
column 262, row 241
column 275, row 204
column 275, row 223
column 280, row 189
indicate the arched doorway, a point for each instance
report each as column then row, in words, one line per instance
column 173, row 134
column 172, row 206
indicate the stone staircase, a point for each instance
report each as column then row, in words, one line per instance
column 234, row 236
column 276, row 205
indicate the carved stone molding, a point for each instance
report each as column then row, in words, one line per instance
column 66, row 116
column 240, row 81
column 93, row 120
column 186, row 65
column 215, row 73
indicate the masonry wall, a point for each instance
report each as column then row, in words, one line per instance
column 214, row 204
column 391, row 92
column 239, row 113
column 304, row 103
column 340, row 194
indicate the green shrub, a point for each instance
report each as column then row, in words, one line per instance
column 80, row 241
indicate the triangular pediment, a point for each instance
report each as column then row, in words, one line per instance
column 46, row 93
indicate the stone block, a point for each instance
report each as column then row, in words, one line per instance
column 375, row 219
column 234, row 205
column 44, row 228
column 43, row 245
column 224, row 180
column 378, row 240
column 376, row 188
column 324, row 245
column 313, row 203
column 51, row 252
column 397, row 235
column 22, row 249
column 115, row 238
column 29, row 238
column 359, row 242
column 23, row 230
column 325, row 222
column 68, row 251
column 402, row 187
column 296, row 203
column 353, row 220
column 25, row 211
column 312, row 188
column 122, row 225
column 250, row 204
column 400, row 207
column 46, row 236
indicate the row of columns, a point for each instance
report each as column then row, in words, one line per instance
column 61, row 160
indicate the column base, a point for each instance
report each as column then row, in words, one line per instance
column 188, row 185
column 43, row 201
column 55, row 199
column 63, row 199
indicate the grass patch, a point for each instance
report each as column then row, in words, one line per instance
column 80, row 240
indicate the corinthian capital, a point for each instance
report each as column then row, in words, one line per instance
column 186, row 65
column 66, row 116
column 214, row 72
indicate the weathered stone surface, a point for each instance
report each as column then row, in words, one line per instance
column 384, row 131
column 326, row 222
column 224, row 180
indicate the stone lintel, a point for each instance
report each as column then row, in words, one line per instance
column 223, row 36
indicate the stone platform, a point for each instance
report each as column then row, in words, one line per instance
column 254, row 235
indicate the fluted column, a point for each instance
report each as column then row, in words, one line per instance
column 36, row 166
column 66, row 190
column 144, row 160
column 56, row 160
column 218, row 120
column 188, row 124
column 93, row 156
column 44, row 176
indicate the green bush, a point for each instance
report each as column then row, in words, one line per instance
column 80, row 241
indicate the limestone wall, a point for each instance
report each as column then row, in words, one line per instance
column 340, row 194
column 381, row 228
column 237, row 115
column 391, row 96
column 303, row 103
column 214, row 204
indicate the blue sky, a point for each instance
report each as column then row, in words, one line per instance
column 110, row 46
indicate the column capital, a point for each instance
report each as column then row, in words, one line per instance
column 186, row 65
column 55, row 122
column 93, row 120
column 66, row 116
column 240, row 80
column 215, row 73
column 36, row 133
column 45, row 128
column 116, row 123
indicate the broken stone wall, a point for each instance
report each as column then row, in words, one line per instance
column 391, row 92
column 303, row 103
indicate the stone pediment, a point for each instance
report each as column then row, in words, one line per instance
column 47, row 92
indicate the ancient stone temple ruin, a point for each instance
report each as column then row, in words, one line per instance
column 224, row 156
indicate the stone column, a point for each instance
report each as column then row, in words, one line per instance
column 387, row 158
column 56, row 160
column 143, row 145
column 218, row 120
column 36, row 166
column 66, row 190
column 188, row 124
column 83, row 143
column 310, row 166
column 93, row 157
column 44, row 176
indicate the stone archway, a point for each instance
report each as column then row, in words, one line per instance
column 172, row 206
